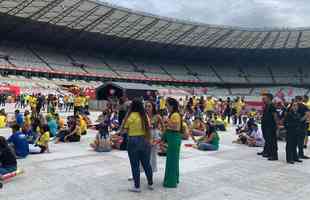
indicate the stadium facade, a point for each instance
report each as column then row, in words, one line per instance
column 90, row 40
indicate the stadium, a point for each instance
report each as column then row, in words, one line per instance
column 91, row 42
column 87, row 48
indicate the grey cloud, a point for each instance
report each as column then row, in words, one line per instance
column 245, row 13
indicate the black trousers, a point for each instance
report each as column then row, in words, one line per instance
column 300, row 142
column 139, row 151
column 291, row 146
column 271, row 144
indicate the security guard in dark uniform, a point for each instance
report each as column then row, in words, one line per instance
column 269, row 127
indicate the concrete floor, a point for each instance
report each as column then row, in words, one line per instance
column 74, row 171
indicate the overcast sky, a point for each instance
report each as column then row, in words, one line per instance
column 245, row 13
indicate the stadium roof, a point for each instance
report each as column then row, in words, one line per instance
column 105, row 20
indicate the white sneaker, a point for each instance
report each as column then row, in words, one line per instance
column 136, row 190
column 150, row 187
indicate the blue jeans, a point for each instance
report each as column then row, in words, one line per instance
column 207, row 147
column 139, row 151
column 6, row 170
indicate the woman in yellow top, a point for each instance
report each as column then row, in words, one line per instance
column 173, row 137
column 139, row 144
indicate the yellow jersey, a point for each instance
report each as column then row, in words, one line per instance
column 2, row 121
column 134, row 125
column 44, row 139
column 210, row 105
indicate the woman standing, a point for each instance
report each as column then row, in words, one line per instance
column 173, row 138
column 139, row 147
column 156, row 125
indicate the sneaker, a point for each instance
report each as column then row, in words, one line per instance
column 150, row 187
column 136, row 190
column 130, row 179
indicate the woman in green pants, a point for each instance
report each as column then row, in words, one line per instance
column 173, row 137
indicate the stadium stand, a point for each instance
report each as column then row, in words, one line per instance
column 90, row 42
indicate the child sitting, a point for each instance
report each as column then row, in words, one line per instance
column 19, row 142
column 8, row 161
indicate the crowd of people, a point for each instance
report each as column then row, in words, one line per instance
column 147, row 128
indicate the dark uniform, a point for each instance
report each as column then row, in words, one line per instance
column 292, row 125
column 302, row 110
column 269, row 129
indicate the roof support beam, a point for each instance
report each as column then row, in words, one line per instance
column 129, row 27
column 253, row 40
column 17, row 9
column 157, row 32
column 275, row 40
column 37, row 15
column 117, row 23
column 66, row 13
column 287, row 39
column 244, row 40
column 220, row 38
column 171, row 34
column 298, row 39
column 183, row 36
column 81, row 18
column 229, row 43
column 261, row 44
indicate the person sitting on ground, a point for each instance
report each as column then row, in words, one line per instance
column 31, row 136
column 8, row 161
column 219, row 123
column 73, row 134
column 41, row 145
column 255, row 138
column 60, row 122
column 52, row 125
column 102, row 142
column 198, row 127
column 3, row 118
column 210, row 142
column 18, row 141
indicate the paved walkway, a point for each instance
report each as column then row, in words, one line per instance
column 73, row 171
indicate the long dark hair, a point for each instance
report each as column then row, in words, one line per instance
column 154, row 111
column 137, row 106
column 173, row 103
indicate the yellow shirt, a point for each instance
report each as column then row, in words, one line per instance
column 83, row 101
column 2, row 121
column 83, row 125
column 134, row 125
column 162, row 104
column 28, row 120
column 308, row 104
column 239, row 105
column 33, row 102
column 175, row 120
column 210, row 105
column 44, row 139
column 78, row 101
